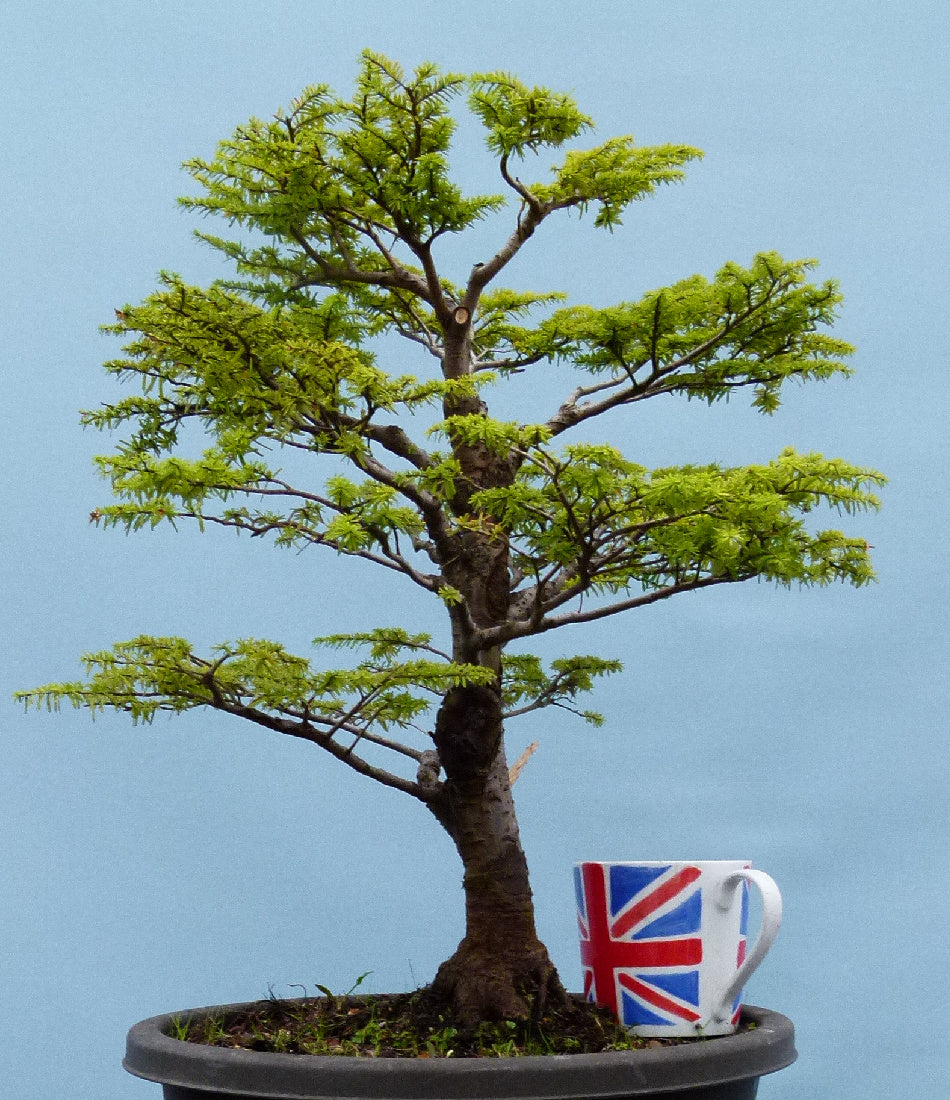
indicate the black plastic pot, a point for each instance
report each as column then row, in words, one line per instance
column 726, row 1068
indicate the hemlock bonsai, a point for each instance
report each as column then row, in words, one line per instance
column 514, row 529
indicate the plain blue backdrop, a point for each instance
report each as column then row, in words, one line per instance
column 196, row 861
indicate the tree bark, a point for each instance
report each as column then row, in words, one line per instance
column 500, row 970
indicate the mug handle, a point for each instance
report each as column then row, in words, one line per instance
column 771, row 919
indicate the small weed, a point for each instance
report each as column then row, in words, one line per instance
column 214, row 1030
column 373, row 1034
column 499, row 1040
column 406, row 1025
column 283, row 1041
column 440, row 1042
column 180, row 1028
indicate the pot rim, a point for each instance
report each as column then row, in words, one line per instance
column 153, row 1054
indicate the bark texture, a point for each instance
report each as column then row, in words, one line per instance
column 500, row 970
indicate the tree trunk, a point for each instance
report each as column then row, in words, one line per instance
column 500, row 970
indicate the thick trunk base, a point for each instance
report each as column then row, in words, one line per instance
column 482, row 983
column 501, row 970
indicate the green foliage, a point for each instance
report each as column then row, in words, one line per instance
column 395, row 685
column 341, row 205
column 246, row 374
column 332, row 180
column 497, row 436
column 590, row 520
column 521, row 119
column 526, row 686
column 148, row 675
column 749, row 327
column 613, row 175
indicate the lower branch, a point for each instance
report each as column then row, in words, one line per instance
column 306, row 732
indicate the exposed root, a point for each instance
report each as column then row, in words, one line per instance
column 483, row 986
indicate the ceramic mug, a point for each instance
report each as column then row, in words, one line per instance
column 663, row 943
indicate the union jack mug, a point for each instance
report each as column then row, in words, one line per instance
column 663, row 944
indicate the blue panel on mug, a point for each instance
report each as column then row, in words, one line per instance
column 686, row 917
column 633, row 1012
column 685, row 986
column 627, row 882
column 579, row 892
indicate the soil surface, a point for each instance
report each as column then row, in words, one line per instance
column 409, row 1025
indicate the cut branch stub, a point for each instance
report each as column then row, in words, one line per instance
column 515, row 770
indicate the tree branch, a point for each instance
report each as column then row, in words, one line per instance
column 331, row 274
column 482, row 274
column 501, row 635
column 436, row 298
column 569, row 415
column 306, row 732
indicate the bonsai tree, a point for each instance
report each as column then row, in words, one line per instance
column 514, row 529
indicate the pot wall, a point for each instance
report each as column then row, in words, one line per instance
column 726, row 1068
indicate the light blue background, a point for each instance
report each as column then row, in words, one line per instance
column 197, row 861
